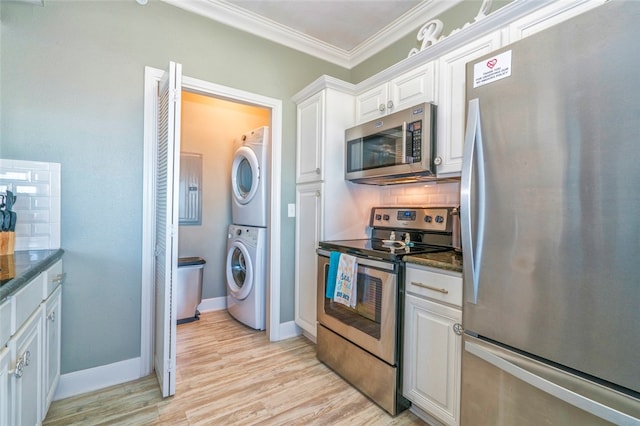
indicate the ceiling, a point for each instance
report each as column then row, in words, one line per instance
column 344, row 32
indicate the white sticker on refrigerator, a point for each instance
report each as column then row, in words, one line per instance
column 492, row 69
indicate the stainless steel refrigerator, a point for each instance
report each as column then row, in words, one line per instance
column 550, row 210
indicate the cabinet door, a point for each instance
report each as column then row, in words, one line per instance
column 308, row 233
column 452, row 102
column 310, row 139
column 548, row 16
column 51, row 364
column 413, row 87
column 26, row 355
column 372, row 104
column 5, row 357
column 432, row 354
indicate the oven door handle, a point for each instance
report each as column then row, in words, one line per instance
column 379, row 264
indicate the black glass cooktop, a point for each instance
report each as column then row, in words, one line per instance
column 382, row 249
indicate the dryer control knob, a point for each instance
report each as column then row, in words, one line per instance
column 238, row 232
column 244, row 138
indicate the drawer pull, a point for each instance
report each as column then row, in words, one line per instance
column 19, row 371
column 23, row 362
column 59, row 278
column 428, row 287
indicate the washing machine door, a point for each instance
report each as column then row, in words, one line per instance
column 245, row 175
column 239, row 271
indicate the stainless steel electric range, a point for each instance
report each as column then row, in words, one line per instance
column 363, row 343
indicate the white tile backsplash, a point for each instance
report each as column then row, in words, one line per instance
column 422, row 194
column 38, row 188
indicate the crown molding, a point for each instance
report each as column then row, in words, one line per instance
column 245, row 20
column 406, row 24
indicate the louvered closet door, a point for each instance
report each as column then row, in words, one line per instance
column 166, row 229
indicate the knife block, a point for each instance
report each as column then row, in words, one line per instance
column 7, row 242
column 7, row 267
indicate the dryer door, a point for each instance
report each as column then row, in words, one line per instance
column 239, row 270
column 245, row 175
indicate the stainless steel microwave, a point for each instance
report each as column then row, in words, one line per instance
column 398, row 148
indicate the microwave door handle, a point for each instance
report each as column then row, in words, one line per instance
column 404, row 143
column 473, row 147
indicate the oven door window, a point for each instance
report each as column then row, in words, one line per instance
column 367, row 314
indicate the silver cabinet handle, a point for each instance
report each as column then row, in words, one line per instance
column 317, row 170
column 58, row 279
column 52, row 316
column 458, row 329
column 317, row 193
column 19, row 371
column 390, row 105
column 437, row 161
column 428, row 287
column 23, row 362
column 381, row 107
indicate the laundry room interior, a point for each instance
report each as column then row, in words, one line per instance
column 211, row 131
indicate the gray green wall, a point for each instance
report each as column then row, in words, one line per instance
column 71, row 79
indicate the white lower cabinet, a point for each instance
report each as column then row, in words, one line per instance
column 26, row 388
column 432, row 347
column 30, row 361
column 51, row 334
column 308, row 232
column 5, row 383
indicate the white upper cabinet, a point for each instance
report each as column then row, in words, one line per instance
column 548, row 16
column 452, row 101
column 404, row 91
column 310, row 137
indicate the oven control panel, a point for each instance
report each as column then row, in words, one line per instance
column 436, row 219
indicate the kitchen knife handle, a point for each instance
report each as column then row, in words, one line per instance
column 472, row 148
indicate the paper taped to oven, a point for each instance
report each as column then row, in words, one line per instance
column 346, row 282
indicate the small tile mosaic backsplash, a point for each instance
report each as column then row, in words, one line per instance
column 37, row 187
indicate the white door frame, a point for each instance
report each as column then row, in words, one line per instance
column 151, row 78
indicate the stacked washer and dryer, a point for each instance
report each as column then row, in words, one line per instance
column 246, row 240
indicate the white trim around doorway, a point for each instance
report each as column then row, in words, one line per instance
column 275, row 330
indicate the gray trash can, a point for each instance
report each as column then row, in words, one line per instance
column 189, row 288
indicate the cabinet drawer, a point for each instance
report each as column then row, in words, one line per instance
column 5, row 322
column 25, row 301
column 435, row 284
column 53, row 278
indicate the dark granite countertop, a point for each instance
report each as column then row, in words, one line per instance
column 26, row 265
column 447, row 260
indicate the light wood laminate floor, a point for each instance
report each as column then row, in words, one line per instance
column 229, row 374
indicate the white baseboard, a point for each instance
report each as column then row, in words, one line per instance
column 91, row 379
column 213, row 304
column 288, row 330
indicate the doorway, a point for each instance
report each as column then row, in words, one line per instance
column 152, row 77
column 211, row 128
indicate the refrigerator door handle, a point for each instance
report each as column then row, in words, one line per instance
column 520, row 371
column 472, row 148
